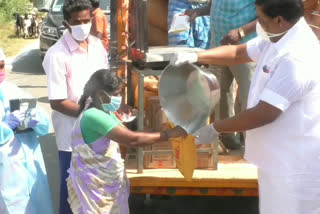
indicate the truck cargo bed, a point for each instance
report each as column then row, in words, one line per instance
column 234, row 177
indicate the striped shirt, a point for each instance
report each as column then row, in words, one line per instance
column 227, row 15
column 199, row 34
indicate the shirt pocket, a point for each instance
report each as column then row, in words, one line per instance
column 263, row 80
column 267, row 70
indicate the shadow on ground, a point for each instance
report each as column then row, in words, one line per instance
column 29, row 63
column 43, row 100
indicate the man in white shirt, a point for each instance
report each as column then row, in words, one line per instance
column 69, row 65
column 283, row 116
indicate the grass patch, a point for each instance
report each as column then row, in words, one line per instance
column 9, row 42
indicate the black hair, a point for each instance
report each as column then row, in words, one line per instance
column 103, row 79
column 95, row 3
column 290, row 10
column 71, row 6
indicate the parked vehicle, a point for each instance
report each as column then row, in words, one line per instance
column 42, row 4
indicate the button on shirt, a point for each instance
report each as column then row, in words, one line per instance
column 288, row 78
column 226, row 15
column 68, row 68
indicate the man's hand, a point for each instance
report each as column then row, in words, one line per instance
column 183, row 58
column 206, row 135
column 232, row 38
column 66, row 107
column 191, row 13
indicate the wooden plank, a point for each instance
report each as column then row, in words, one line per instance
column 230, row 174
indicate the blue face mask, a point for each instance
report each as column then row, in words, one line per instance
column 114, row 104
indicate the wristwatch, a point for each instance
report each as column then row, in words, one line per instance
column 241, row 33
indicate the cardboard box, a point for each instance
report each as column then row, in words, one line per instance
column 159, row 161
column 205, row 159
column 155, row 120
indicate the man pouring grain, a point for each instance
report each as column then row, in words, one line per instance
column 283, row 117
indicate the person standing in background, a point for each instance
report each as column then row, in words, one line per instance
column 24, row 186
column 199, row 34
column 69, row 64
column 99, row 24
column 232, row 22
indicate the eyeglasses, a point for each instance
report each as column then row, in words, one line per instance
column 2, row 66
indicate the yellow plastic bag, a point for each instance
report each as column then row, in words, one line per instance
column 185, row 153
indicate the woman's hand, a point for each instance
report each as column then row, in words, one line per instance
column 177, row 131
column 124, row 108
column 127, row 137
column 126, row 116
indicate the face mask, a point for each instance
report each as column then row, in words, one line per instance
column 114, row 104
column 2, row 75
column 266, row 35
column 80, row 32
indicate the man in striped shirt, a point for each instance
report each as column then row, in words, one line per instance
column 199, row 34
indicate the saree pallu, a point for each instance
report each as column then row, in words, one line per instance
column 97, row 182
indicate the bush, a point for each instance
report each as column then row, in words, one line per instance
column 9, row 7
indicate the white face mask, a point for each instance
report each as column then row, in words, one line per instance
column 266, row 35
column 80, row 32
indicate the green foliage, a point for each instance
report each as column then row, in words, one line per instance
column 9, row 7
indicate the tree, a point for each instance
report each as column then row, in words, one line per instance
column 9, row 7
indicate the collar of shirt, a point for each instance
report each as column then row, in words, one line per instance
column 292, row 36
column 71, row 42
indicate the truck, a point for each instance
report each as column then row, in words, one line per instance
column 139, row 32
column 232, row 176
